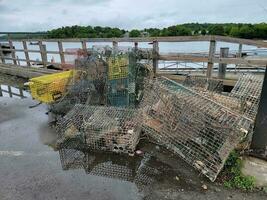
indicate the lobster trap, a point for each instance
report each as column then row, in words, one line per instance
column 101, row 128
column 203, row 84
column 200, row 130
column 50, row 88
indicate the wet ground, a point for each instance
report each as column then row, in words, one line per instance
column 31, row 169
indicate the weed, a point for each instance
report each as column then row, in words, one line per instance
column 233, row 177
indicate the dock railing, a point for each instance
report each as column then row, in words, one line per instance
column 210, row 57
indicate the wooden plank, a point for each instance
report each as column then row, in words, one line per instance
column 183, row 57
column 26, row 53
column 61, row 53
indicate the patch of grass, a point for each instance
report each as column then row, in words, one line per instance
column 232, row 175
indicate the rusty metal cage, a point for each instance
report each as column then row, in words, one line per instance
column 200, row 130
column 101, row 128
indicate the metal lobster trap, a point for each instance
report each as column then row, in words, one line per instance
column 200, row 130
column 103, row 128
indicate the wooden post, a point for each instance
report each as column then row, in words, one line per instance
column 13, row 54
column 259, row 139
column 136, row 45
column 155, row 52
column 26, row 53
column 61, row 53
column 2, row 55
column 240, row 51
column 211, row 55
column 222, row 67
column 115, row 46
column 43, row 53
column 84, row 46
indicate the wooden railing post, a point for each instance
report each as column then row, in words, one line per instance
column 26, row 53
column 222, row 67
column 43, row 53
column 2, row 56
column 240, row 51
column 155, row 60
column 212, row 50
column 13, row 54
column 84, row 46
column 61, row 52
column 136, row 45
column 115, row 46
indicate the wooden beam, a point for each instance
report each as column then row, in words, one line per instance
column 183, row 57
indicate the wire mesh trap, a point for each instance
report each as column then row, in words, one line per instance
column 101, row 128
column 200, row 130
column 203, row 84
column 106, row 78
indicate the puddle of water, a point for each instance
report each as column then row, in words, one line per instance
column 13, row 92
column 143, row 171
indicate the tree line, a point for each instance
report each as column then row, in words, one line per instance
column 241, row 30
column 249, row 31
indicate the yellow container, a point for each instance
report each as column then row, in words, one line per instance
column 49, row 88
column 117, row 67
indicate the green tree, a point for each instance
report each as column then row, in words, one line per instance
column 216, row 30
column 135, row 33
column 203, row 32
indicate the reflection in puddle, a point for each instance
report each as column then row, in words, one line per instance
column 143, row 171
column 13, row 92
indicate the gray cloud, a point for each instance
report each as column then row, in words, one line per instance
column 47, row 14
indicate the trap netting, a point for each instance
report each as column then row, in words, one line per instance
column 248, row 91
column 114, row 129
column 106, row 78
column 87, row 86
column 243, row 98
column 203, row 84
column 200, row 130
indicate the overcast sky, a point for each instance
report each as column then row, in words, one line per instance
column 41, row 15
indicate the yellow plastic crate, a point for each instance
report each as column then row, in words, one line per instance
column 49, row 88
column 117, row 68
